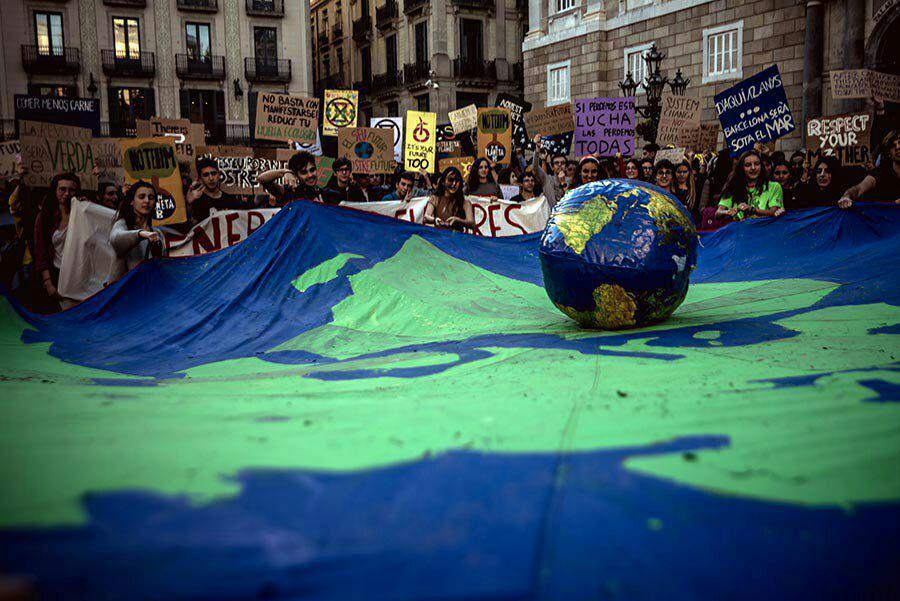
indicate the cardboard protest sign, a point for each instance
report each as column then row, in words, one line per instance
column 108, row 159
column 845, row 137
column 48, row 149
column 240, row 165
column 604, row 126
column 464, row 119
column 9, row 159
column 689, row 138
column 154, row 160
column 421, row 138
column 284, row 117
column 675, row 155
column 75, row 112
column 369, row 149
column 709, row 137
column 341, row 108
column 551, row 120
column 314, row 148
column 754, row 110
column 518, row 107
column 677, row 114
column 495, row 135
column 865, row 83
column 395, row 126
column 464, row 164
column 448, row 143
column 188, row 136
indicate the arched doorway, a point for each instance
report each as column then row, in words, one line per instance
column 881, row 47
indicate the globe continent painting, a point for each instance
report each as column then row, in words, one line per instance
column 618, row 254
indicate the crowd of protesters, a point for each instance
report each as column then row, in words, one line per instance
column 715, row 188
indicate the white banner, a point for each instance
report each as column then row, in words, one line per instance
column 220, row 230
column 494, row 220
column 87, row 258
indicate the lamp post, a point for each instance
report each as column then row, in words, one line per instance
column 654, row 84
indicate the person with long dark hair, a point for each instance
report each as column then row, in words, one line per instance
column 50, row 229
column 588, row 171
column 684, row 188
column 133, row 236
column 482, row 181
column 301, row 180
column 448, row 207
column 749, row 192
column 108, row 195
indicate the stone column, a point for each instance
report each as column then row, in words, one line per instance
column 854, row 44
column 440, row 60
column 165, row 61
column 500, row 40
column 234, row 66
column 813, row 53
column 303, row 67
column 90, row 47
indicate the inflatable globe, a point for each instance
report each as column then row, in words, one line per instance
column 618, row 254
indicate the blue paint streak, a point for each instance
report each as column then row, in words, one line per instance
column 887, row 392
column 465, row 525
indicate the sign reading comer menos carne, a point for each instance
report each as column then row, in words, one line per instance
column 154, row 160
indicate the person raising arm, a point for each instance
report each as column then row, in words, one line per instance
column 301, row 180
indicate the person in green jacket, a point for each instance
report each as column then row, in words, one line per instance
column 749, row 192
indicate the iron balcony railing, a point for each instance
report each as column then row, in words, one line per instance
column 410, row 6
column 475, row 4
column 415, row 72
column 337, row 32
column 209, row 67
column 385, row 15
column 267, row 69
column 265, row 8
column 140, row 64
column 206, row 6
column 474, row 69
column 128, row 3
column 361, row 27
column 45, row 60
column 385, row 82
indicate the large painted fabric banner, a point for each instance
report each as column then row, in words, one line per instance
column 349, row 407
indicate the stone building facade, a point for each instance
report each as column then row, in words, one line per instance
column 584, row 48
column 418, row 54
column 200, row 59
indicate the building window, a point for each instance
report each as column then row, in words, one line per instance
column 126, row 105
column 470, row 41
column 126, row 37
column 723, row 52
column 365, row 58
column 339, row 58
column 393, row 109
column 635, row 63
column 423, row 103
column 467, row 98
column 390, row 52
column 265, row 44
column 197, row 40
column 558, row 82
column 421, row 40
column 564, row 5
column 52, row 89
column 48, row 33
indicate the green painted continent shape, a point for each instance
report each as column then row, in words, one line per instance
column 62, row 436
column 580, row 224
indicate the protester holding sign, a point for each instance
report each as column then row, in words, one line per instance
column 301, row 180
column 50, row 229
column 448, row 208
column 748, row 191
column 552, row 185
column 133, row 236
column 883, row 183
column 206, row 193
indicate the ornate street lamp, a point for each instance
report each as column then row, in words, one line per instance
column 654, row 84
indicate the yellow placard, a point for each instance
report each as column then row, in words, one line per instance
column 341, row 110
column 421, row 134
column 155, row 160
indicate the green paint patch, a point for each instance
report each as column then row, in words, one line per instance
column 61, row 436
column 323, row 272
